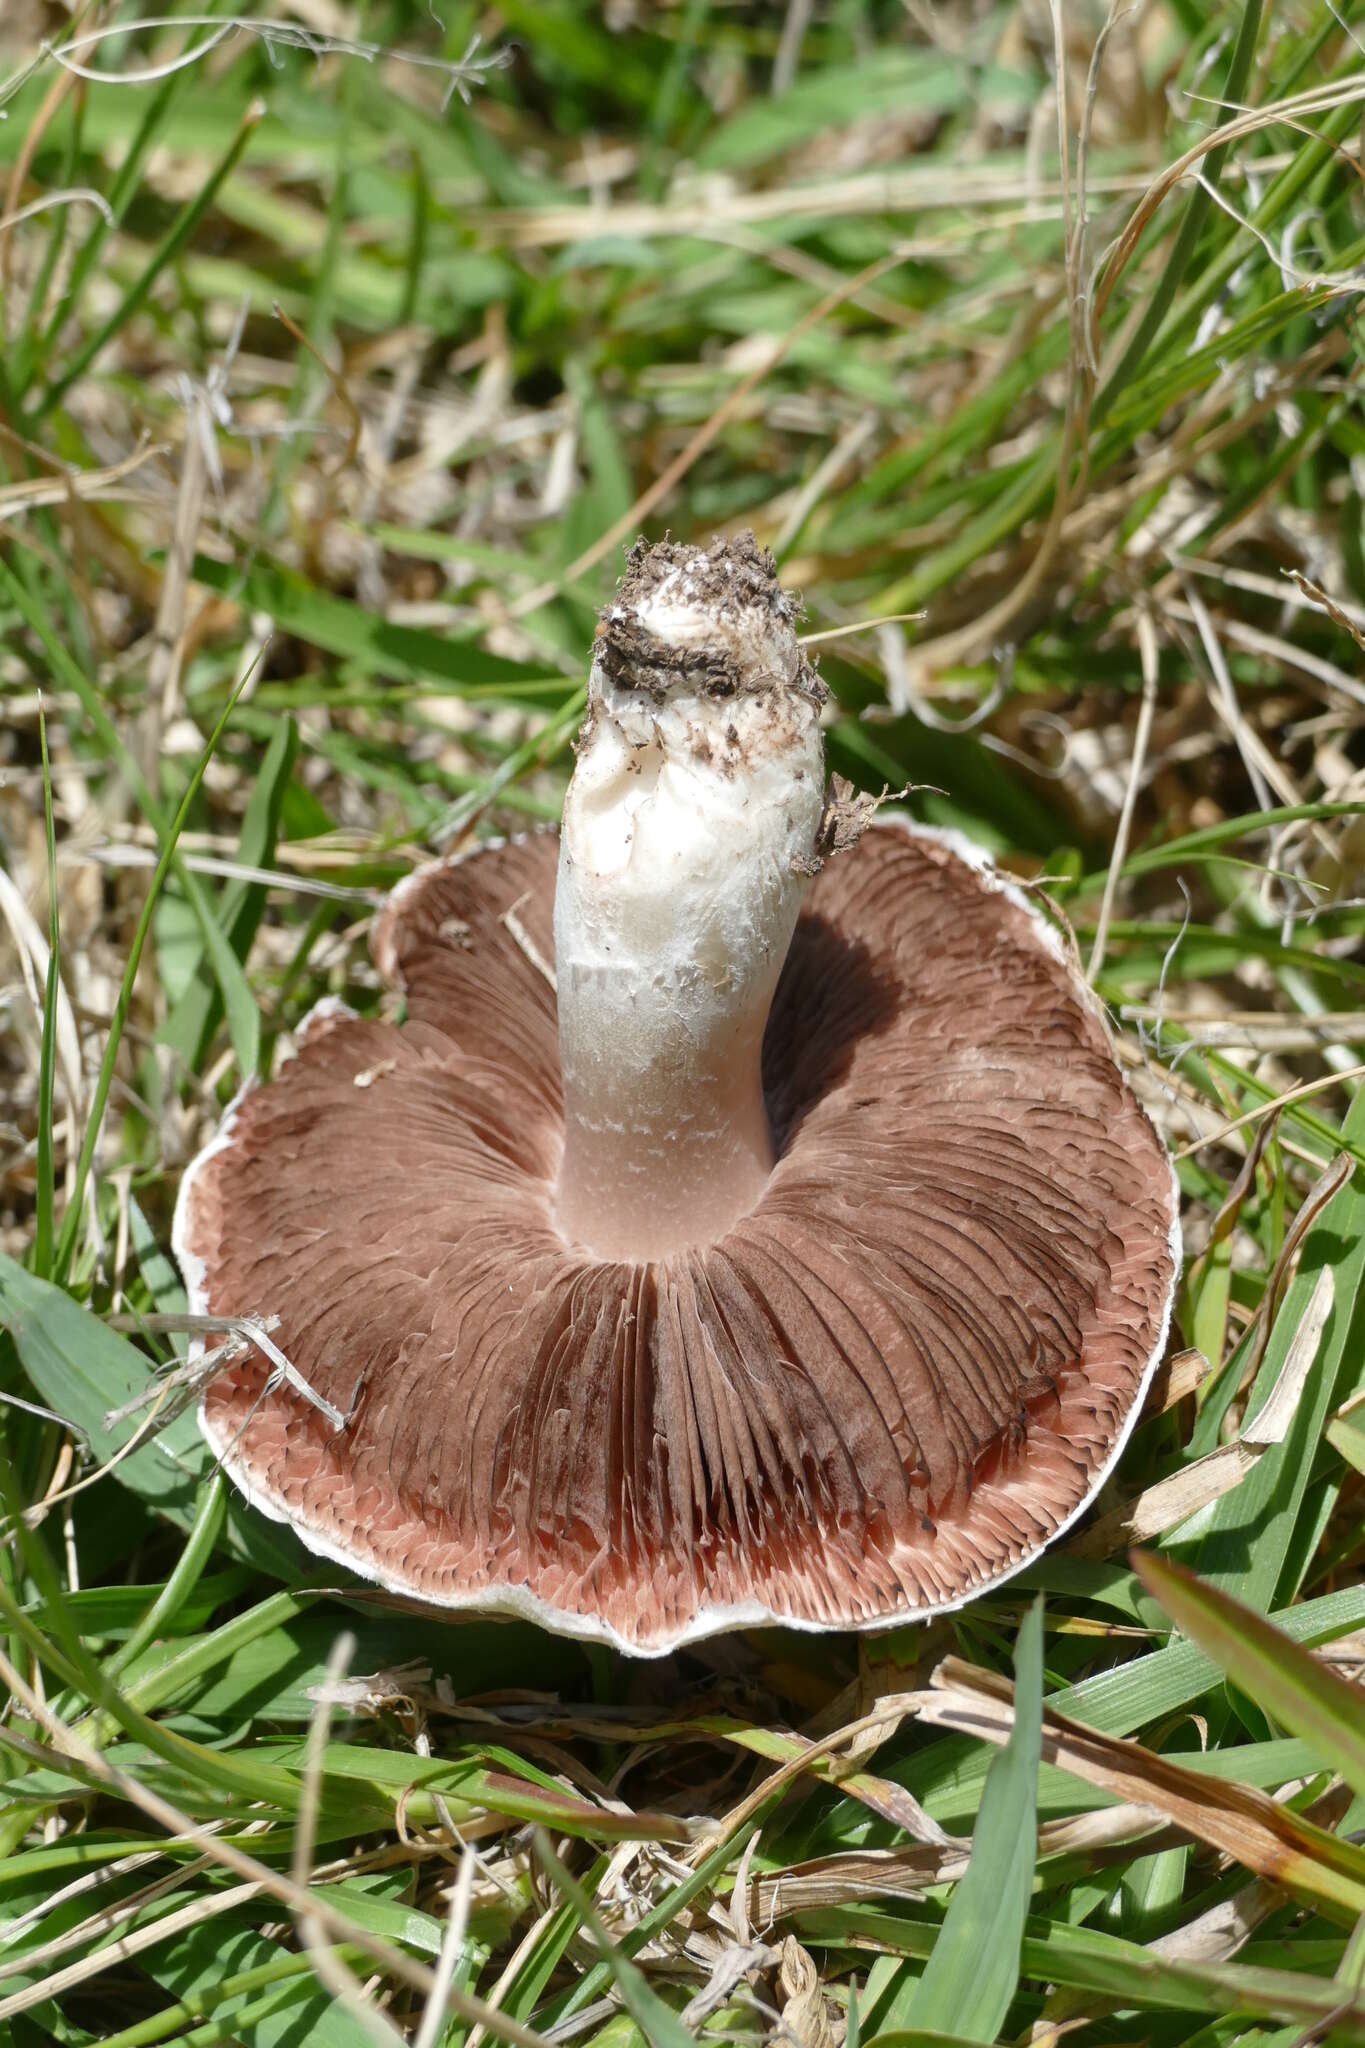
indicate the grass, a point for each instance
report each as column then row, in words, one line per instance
column 331, row 381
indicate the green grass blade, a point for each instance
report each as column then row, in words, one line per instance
column 220, row 1970
column 1347, row 1435
column 244, row 1022
column 47, row 1060
column 1191, row 846
column 209, row 1511
column 65, row 1654
column 1288, row 1682
column 658, row 2022
column 922, row 2037
column 970, row 1979
column 71, row 1222
column 242, row 903
column 706, row 1875
column 123, row 189
column 340, row 626
column 1119, row 1971
column 82, row 1369
column 163, row 256
column 1161, row 297
column 1250, row 1545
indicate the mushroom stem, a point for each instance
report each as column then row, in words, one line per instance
column 689, row 836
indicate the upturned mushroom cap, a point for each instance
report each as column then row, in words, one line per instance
column 883, row 1389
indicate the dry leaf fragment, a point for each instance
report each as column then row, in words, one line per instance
column 1217, row 1935
column 858, row 1875
column 803, row 2013
column 1169, row 1502
column 372, row 1693
column 728, row 1973
column 1183, row 1373
column 1270, row 1424
column 1240, row 1821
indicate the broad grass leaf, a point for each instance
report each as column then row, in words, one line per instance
column 1148, row 1688
column 243, row 1017
column 919, row 2037
column 841, row 95
column 179, row 941
column 203, row 1967
column 45, row 1957
column 1206, row 952
column 241, row 903
column 1288, row 1682
column 393, row 1918
column 275, row 1670
column 467, row 1782
column 1114, row 1969
column 112, row 1612
column 160, row 1274
column 407, row 654
column 973, row 1973
column 83, row 1369
column 1126, row 1972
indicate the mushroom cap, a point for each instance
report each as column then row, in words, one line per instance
column 884, row 1390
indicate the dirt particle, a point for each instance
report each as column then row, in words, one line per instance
column 728, row 578
column 847, row 814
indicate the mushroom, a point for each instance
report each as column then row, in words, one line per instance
column 729, row 1233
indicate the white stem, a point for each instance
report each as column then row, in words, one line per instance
column 689, row 833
